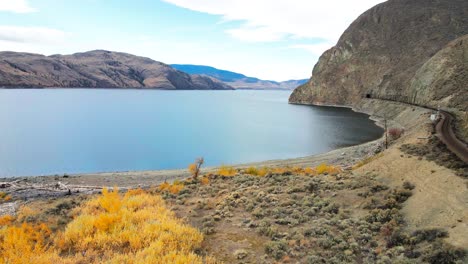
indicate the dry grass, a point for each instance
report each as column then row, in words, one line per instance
column 297, row 215
column 133, row 228
column 4, row 197
column 366, row 161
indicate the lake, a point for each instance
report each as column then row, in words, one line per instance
column 56, row 131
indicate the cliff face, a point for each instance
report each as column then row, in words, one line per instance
column 443, row 79
column 96, row 69
column 395, row 50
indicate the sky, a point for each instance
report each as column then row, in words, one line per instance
column 268, row 39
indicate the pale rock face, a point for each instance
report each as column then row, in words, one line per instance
column 443, row 79
column 387, row 52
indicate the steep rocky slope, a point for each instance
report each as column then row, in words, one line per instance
column 237, row 80
column 96, row 69
column 443, row 79
column 396, row 50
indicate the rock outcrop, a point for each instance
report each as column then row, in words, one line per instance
column 407, row 50
column 443, row 79
column 96, row 69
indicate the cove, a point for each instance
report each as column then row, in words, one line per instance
column 56, row 131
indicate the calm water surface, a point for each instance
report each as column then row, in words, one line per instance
column 46, row 132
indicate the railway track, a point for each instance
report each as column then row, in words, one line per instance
column 443, row 128
column 446, row 134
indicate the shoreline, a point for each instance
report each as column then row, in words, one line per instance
column 397, row 114
column 45, row 187
column 309, row 160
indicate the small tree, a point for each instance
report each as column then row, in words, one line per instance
column 395, row 133
column 194, row 168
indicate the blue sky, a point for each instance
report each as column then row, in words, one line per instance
column 277, row 40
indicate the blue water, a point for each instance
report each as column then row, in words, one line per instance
column 55, row 131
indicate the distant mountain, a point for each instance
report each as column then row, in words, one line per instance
column 237, row 80
column 97, row 69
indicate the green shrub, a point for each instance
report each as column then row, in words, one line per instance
column 276, row 249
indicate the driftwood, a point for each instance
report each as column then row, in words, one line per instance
column 22, row 185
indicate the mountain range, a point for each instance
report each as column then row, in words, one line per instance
column 107, row 69
column 237, row 80
column 97, row 69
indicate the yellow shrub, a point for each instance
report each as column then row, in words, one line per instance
column 310, row 171
column 4, row 197
column 205, row 181
column 6, row 220
column 262, row 171
column 133, row 228
column 227, row 171
column 26, row 244
column 252, row 171
column 192, row 168
column 297, row 170
column 257, row 172
column 279, row 170
column 173, row 188
column 324, row 168
column 141, row 230
column 25, row 212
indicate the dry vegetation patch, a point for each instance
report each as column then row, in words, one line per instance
column 296, row 215
column 111, row 228
column 253, row 215
column 435, row 150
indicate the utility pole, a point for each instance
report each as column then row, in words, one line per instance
column 386, row 133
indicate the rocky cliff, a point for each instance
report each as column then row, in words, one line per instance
column 407, row 50
column 96, row 69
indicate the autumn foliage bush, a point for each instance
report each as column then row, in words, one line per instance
column 321, row 169
column 173, row 188
column 133, row 228
column 4, row 197
column 227, row 171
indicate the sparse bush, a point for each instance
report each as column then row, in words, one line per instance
column 227, row 171
column 205, row 181
column 4, row 197
column 443, row 254
column 429, row 235
column 173, row 188
column 276, row 249
column 395, row 133
column 408, row 185
column 378, row 188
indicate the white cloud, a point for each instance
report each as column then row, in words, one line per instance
column 267, row 20
column 255, row 34
column 315, row 49
column 16, row 6
column 38, row 35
